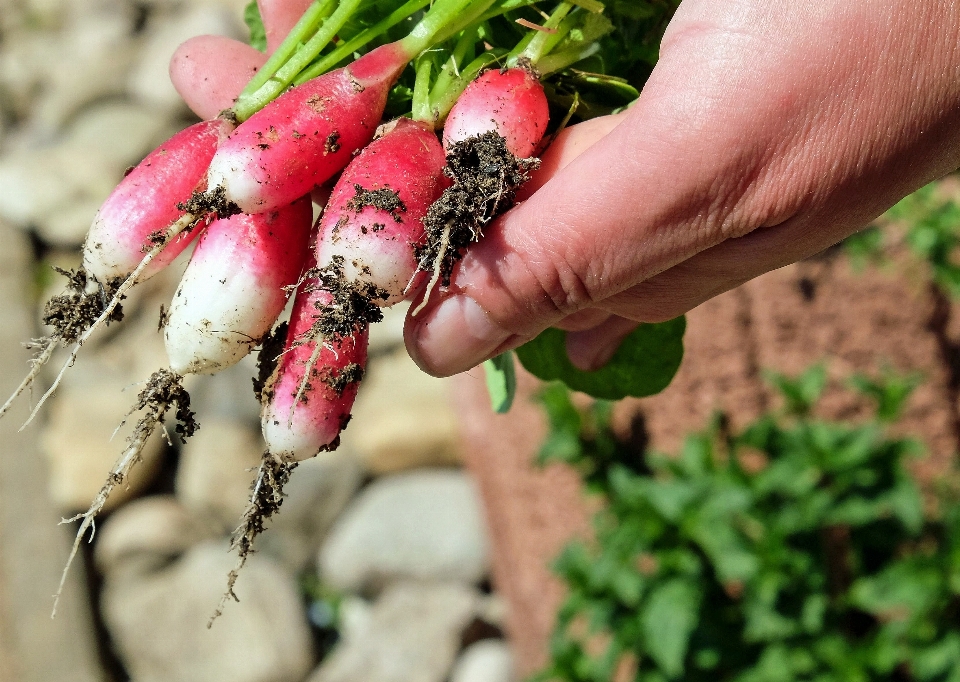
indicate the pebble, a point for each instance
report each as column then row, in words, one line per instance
column 488, row 660
column 403, row 418
column 216, row 469
column 424, row 525
column 411, row 634
column 149, row 80
column 158, row 621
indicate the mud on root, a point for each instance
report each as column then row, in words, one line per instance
column 486, row 176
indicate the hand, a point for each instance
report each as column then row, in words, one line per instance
column 766, row 133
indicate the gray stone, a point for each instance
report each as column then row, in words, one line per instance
column 411, row 634
column 488, row 660
column 158, row 621
column 403, row 418
column 318, row 491
column 149, row 80
column 424, row 525
column 145, row 534
column 216, row 469
column 386, row 336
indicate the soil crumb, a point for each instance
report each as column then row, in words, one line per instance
column 209, row 202
column 270, row 350
column 384, row 198
column 349, row 375
column 354, row 303
column 486, row 176
column 74, row 311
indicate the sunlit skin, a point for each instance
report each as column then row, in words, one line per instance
column 767, row 132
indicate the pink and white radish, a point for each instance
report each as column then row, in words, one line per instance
column 373, row 222
column 509, row 102
column 233, row 289
column 308, row 398
column 147, row 201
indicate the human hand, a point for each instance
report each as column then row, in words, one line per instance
column 765, row 134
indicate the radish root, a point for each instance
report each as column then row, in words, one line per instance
column 265, row 500
column 163, row 391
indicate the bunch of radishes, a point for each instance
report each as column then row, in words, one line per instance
column 405, row 205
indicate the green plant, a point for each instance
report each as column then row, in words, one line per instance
column 795, row 549
column 931, row 233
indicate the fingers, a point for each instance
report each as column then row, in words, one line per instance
column 210, row 71
column 591, row 349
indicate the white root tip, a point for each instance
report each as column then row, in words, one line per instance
column 437, row 267
column 36, row 364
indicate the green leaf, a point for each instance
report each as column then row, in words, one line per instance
column 670, row 617
column 645, row 363
column 501, row 382
column 258, row 34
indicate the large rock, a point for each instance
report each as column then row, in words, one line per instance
column 488, row 660
column 412, row 634
column 425, row 525
column 318, row 491
column 158, row 621
column 149, row 80
column 402, row 418
column 216, row 469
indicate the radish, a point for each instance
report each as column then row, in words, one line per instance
column 233, row 289
column 147, row 200
column 373, row 222
column 306, row 135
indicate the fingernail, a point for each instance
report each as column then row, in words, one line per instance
column 588, row 354
column 455, row 336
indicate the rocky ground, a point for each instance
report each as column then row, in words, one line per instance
column 380, row 548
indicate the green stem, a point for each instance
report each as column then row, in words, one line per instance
column 450, row 72
column 245, row 107
column 561, row 60
column 443, row 99
column 421, row 90
column 346, row 49
column 305, row 27
column 443, row 14
column 544, row 41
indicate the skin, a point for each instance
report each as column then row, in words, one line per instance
column 767, row 132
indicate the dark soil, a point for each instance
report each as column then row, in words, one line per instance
column 385, row 199
column 270, row 349
column 349, row 375
column 165, row 390
column 486, row 176
column 353, row 307
column 74, row 311
column 212, row 201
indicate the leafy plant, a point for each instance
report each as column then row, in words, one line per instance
column 932, row 234
column 795, row 549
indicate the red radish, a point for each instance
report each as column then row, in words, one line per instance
column 306, row 135
column 511, row 103
column 373, row 221
column 307, row 400
column 146, row 202
column 233, row 289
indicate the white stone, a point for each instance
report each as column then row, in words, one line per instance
column 151, row 529
column 68, row 226
column 149, row 80
column 425, row 525
column 403, row 418
column 412, row 635
column 488, row 660
column 158, row 621
column 318, row 491
column 216, row 469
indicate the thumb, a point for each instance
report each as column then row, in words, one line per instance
column 538, row 264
